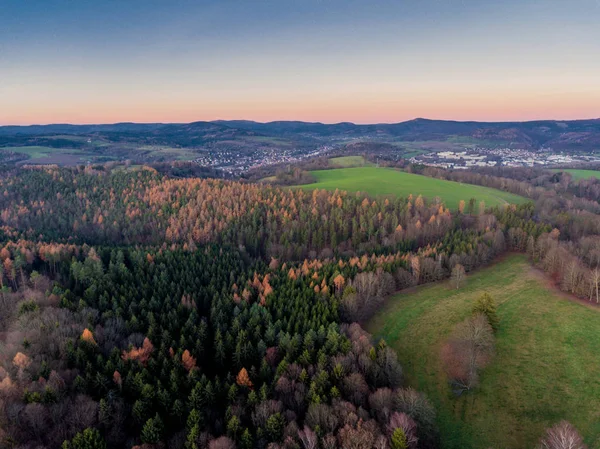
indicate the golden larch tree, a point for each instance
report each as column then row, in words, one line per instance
column 87, row 335
column 243, row 379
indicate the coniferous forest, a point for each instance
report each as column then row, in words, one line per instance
column 319, row 224
column 142, row 311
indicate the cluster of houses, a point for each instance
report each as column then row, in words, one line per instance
column 492, row 157
column 236, row 162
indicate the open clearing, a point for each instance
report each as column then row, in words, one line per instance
column 546, row 367
column 37, row 152
column 98, row 149
column 166, row 152
column 579, row 174
column 387, row 181
column 48, row 155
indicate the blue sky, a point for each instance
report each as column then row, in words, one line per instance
column 103, row 61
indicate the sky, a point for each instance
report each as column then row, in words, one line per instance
column 91, row 61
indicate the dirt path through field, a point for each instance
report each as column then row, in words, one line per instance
column 539, row 275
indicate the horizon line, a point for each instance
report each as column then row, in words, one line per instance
column 296, row 121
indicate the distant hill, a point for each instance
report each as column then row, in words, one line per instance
column 77, row 129
column 576, row 135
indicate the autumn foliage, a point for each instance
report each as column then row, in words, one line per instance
column 88, row 336
column 117, row 379
column 188, row 361
column 243, row 379
column 141, row 355
column 21, row 361
column 143, row 207
column 257, row 286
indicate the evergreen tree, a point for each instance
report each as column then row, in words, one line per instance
column 398, row 440
column 88, row 439
column 152, row 430
column 485, row 304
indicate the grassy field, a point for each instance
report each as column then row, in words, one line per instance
column 56, row 155
column 580, row 174
column 546, row 367
column 36, row 152
column 386, row 181
column 81, row 139
column 49, row 155
column 170, row 153
column 349, row 161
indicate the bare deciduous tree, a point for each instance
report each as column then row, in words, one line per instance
column 458, row 275
column 363, row 436
column 328, row 442
column 366, row 291
column 222, row 443
column 469, row 349
column 308, row 438
column 562, row 436
column 408, row 426
column 381, row 403
column 356, row 388
column 594, row 283
column 415, row 405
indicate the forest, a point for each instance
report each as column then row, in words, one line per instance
column 142, row 310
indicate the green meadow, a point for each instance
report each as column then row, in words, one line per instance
column 579, row 174
column 387, row 181
column 546, row 367
column 36, row 152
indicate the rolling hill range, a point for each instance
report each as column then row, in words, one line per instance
column 536, row 134
column 530, row 134
column 163, row 142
